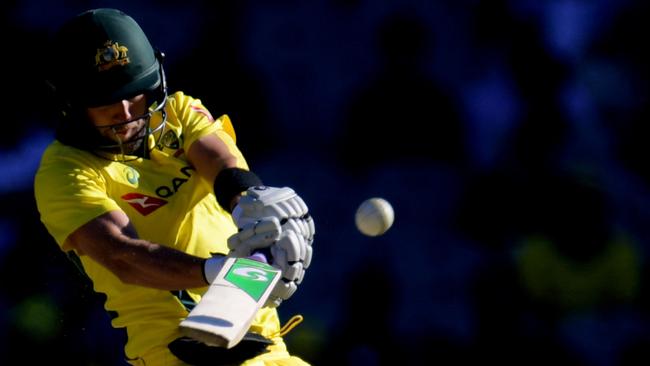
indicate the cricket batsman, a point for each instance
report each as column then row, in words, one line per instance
column 149, row 195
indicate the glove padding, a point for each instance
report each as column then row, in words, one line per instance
column 283, row 203
column 299, row 227
column 290, row 252
column 290, row 255
column 254, row 236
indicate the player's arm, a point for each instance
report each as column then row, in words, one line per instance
column 220, row 163
column 238, row 191
column 111, row 240
column 210, row 156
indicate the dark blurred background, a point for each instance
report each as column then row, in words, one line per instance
column 511, row 138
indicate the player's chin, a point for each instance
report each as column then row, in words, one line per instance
column 133, row 143
column 132, row 146
column 124, row 147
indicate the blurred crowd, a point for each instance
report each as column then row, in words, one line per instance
column 510, row 137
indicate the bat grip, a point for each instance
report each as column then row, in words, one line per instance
column 262, row 255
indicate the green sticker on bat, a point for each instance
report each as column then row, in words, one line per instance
column 251, row 276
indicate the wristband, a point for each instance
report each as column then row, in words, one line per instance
column 212, row 266
column 231, row 182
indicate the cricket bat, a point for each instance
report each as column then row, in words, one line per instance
column 226, row 310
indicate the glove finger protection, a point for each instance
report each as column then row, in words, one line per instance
column 300, row 226
column 307, row 227
column 310, row 224
column 290, row 207
column 308, row 253
column 302, row 205
column 297, row 227
column 290, row 272
column 282, row 291
column 253, row 236
column 287, row 254
column 306, row 250
column 279, row 210
column 293, row 244
column 300, row 277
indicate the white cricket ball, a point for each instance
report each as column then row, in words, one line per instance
column 374, row 216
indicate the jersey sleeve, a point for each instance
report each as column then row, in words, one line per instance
column 198, row 122
column 69, row 193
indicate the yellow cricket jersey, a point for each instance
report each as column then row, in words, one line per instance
column 166, row 202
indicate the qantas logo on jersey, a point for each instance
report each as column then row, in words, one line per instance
column 176, row 183
column 142, row 203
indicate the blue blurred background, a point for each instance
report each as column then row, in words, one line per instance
column 510, row 137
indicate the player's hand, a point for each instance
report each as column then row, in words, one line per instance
column 254, row 236
column 282, row 203
column 289, row 250
column 291, row 254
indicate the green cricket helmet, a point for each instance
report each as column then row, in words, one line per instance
column 103, row 57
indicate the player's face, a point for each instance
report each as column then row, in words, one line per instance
column 123, row 121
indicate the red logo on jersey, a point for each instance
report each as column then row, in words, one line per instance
column 203, row 111
column 142, row 203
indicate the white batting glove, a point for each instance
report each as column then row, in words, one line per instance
column 292, row 255
column 254, row 236
column 283, row 203
column 289, row 250
column 304, row 251
column 282, row 291
column 289, row 255
column 212, row 266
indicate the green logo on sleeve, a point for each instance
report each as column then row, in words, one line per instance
column 251, row 276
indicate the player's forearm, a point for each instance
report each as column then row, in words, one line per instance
column 153, row 265
column 112, row 241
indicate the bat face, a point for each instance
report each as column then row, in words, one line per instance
column 226, row 311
